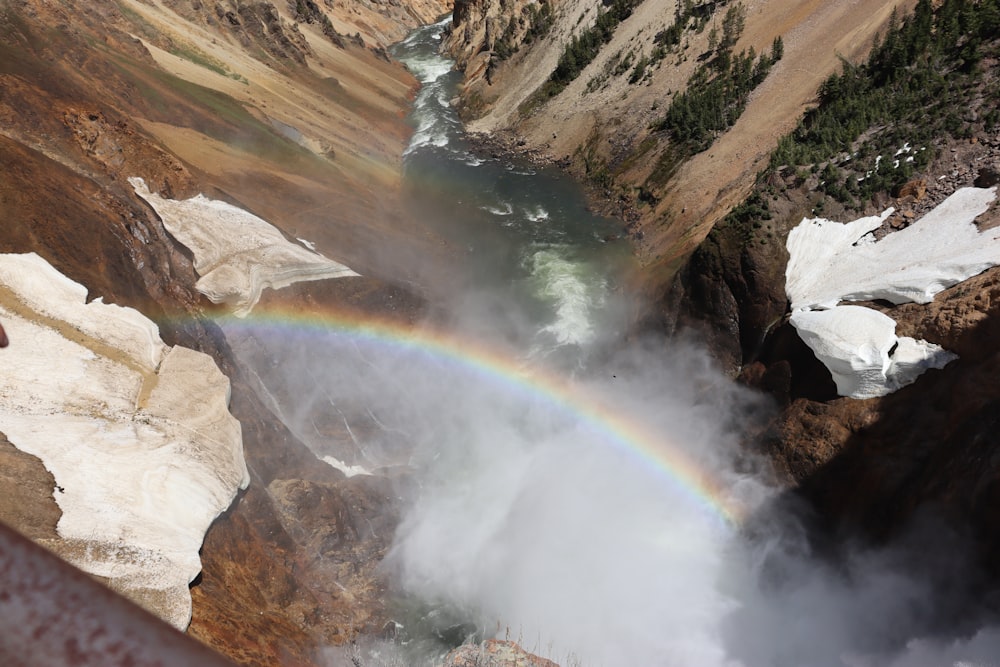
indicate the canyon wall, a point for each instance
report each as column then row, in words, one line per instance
column 291, row 110
column 602, row 125
column 710, row 224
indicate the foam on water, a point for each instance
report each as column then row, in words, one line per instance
column 504, row 210
column 433, row 127
column 537, row 214
column 574, row 294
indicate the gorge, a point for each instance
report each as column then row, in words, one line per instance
column 481, row 428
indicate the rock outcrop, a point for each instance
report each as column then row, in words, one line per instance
column 927, row 449
column 602, row 125
column 494, row 653
column 262, row 113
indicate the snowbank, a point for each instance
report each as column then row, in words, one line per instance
column 137, row 434
column 236, row 253
column 860, row 348
column 831, row 262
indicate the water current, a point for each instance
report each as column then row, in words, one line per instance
column 526, row 235
column 592, row 506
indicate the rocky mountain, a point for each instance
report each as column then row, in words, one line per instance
column 713, row 127
column 292, row 110
column 589, row 84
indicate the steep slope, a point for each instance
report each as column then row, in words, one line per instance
column 602, row 123
column 929, row 448
column 871, row 467
column 271, row 106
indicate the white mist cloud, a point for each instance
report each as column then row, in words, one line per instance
column 537, row 530
column 530, row 520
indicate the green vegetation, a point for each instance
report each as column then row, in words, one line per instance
column 581, row 50
column 922, row 82
column 917, row 85
column 138, row 21
column 688, row 15
column 713, row 103
column 716, row 95
column 535, row 20
column 202, row 59
column 746, row 219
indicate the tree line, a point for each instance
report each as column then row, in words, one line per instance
column 916, row 85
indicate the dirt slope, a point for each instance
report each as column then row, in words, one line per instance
column 263, row 107
column 599, row 125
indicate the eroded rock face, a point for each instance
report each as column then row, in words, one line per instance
column 867, row 466
column 84, row 105
column 485, row 32
column 494, row 653
column 27, row 494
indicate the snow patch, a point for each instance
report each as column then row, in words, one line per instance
column 860, row 348
column 137, row 435
column 236, row 253
column 346, row 468
column 830, row 262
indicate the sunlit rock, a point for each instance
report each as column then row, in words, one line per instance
column 494, row 653
column 830, row 263
column 236, row 253
column 137, row 434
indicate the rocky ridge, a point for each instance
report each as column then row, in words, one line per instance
column 601, row 126
column 260, row 107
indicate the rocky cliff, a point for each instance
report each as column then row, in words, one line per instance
column 291, row 110
column 594, row 95
column 928, row 449
column 621, row 66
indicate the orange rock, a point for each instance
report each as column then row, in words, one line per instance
column 916, row 188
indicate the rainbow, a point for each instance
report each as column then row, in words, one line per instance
column 503, row 370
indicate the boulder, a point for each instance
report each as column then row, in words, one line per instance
column 494, row 653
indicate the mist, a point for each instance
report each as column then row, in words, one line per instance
column 588, row 556
column 526, row 517
column 598, row 501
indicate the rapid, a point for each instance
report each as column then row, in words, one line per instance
column 587, row 494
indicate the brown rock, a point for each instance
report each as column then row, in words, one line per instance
column 916, row 189
column 987, row 177
column 76, row 121
column 494, row 653
column 26, row 493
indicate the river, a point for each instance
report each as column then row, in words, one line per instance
column 530, row 247
column 592, row 500
column 553, row 466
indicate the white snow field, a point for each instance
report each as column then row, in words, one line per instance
column 236, row 253
column 137, row 434
column 830, row 263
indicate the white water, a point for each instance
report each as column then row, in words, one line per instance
column 572, row 292
column 531, row 523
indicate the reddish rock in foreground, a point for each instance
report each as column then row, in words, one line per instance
column 494, row 653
